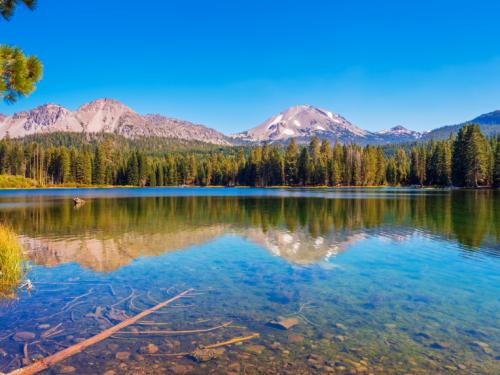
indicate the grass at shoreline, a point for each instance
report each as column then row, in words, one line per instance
column 16, row 182
column 11, row 262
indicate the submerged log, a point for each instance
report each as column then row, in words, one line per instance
column 77, row 348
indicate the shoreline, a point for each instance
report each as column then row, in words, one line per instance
column 322, row 187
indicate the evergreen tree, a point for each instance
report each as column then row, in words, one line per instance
column 471, row 161
column 291, row 156
column 132, row 172
column 496, row 164
column 476, row 158
column 7, row 7
column 402, row 167
column 65, row 165
column 100, row 167
column 458, row 162
column 303, row 167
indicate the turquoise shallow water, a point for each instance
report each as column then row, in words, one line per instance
column 378, row 280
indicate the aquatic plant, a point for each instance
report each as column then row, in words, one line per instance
column 11, row 262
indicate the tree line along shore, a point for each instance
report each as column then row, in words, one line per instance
column 468, row 159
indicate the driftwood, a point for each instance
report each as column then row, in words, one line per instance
column 174, row 333
column 77, row 348
column 212, row 346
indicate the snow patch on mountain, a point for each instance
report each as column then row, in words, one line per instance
column 303, row 121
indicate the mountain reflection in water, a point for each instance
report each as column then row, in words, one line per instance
column 108, row 233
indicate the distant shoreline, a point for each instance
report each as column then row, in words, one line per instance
column 110, row 187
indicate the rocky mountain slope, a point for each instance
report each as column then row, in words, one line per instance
column 305, row 121
column 104, row 115
column 300, row 122
column 399, row 134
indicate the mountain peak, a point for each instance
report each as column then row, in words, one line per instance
column 103, row 103
column 104, row 115
column 399, row 128
column 301, row 122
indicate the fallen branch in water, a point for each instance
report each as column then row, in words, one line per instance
column 212, row 346
column 124, row 299
column 50, row 332
column 173, row 333
column 111, row 290
column 70, row 303
column 77, row 348
column 60, row 312
column 232, row 341
column 26, row 357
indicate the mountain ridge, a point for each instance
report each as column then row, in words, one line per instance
column 300, row 122
column 104, row 115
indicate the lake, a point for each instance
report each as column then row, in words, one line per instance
column 383, row 281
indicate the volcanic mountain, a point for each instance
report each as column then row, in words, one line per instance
column 303, row 122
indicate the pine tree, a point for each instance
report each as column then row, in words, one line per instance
column 65, row 165
column 314, row 159
column 132, row 172
column 303, row 167
column 458, row 159
column 391, row 172
column 477, row 158
column 291, row 155
column 496, row 164
column 401, row 163
column 18, row 73
column 336, row 170
column 100, row 167
column 380, row 175
column 324, row 160
column 7, row 7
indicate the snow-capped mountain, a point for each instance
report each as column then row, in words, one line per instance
column 303, row 122
column 104, row 115
column 399, row 133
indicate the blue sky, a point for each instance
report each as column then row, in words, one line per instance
column 231, row 64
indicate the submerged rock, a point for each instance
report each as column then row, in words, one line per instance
column 205, row 355
column 66, row 370
column 23, row 336
column 283, row 323
column 256, row 349
column 440, row 345
column 181, row 369
column 122, row 356
column 78, row 201
column 340, row 326
column 149, row 349
column 483, row 346
column 295, row 339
